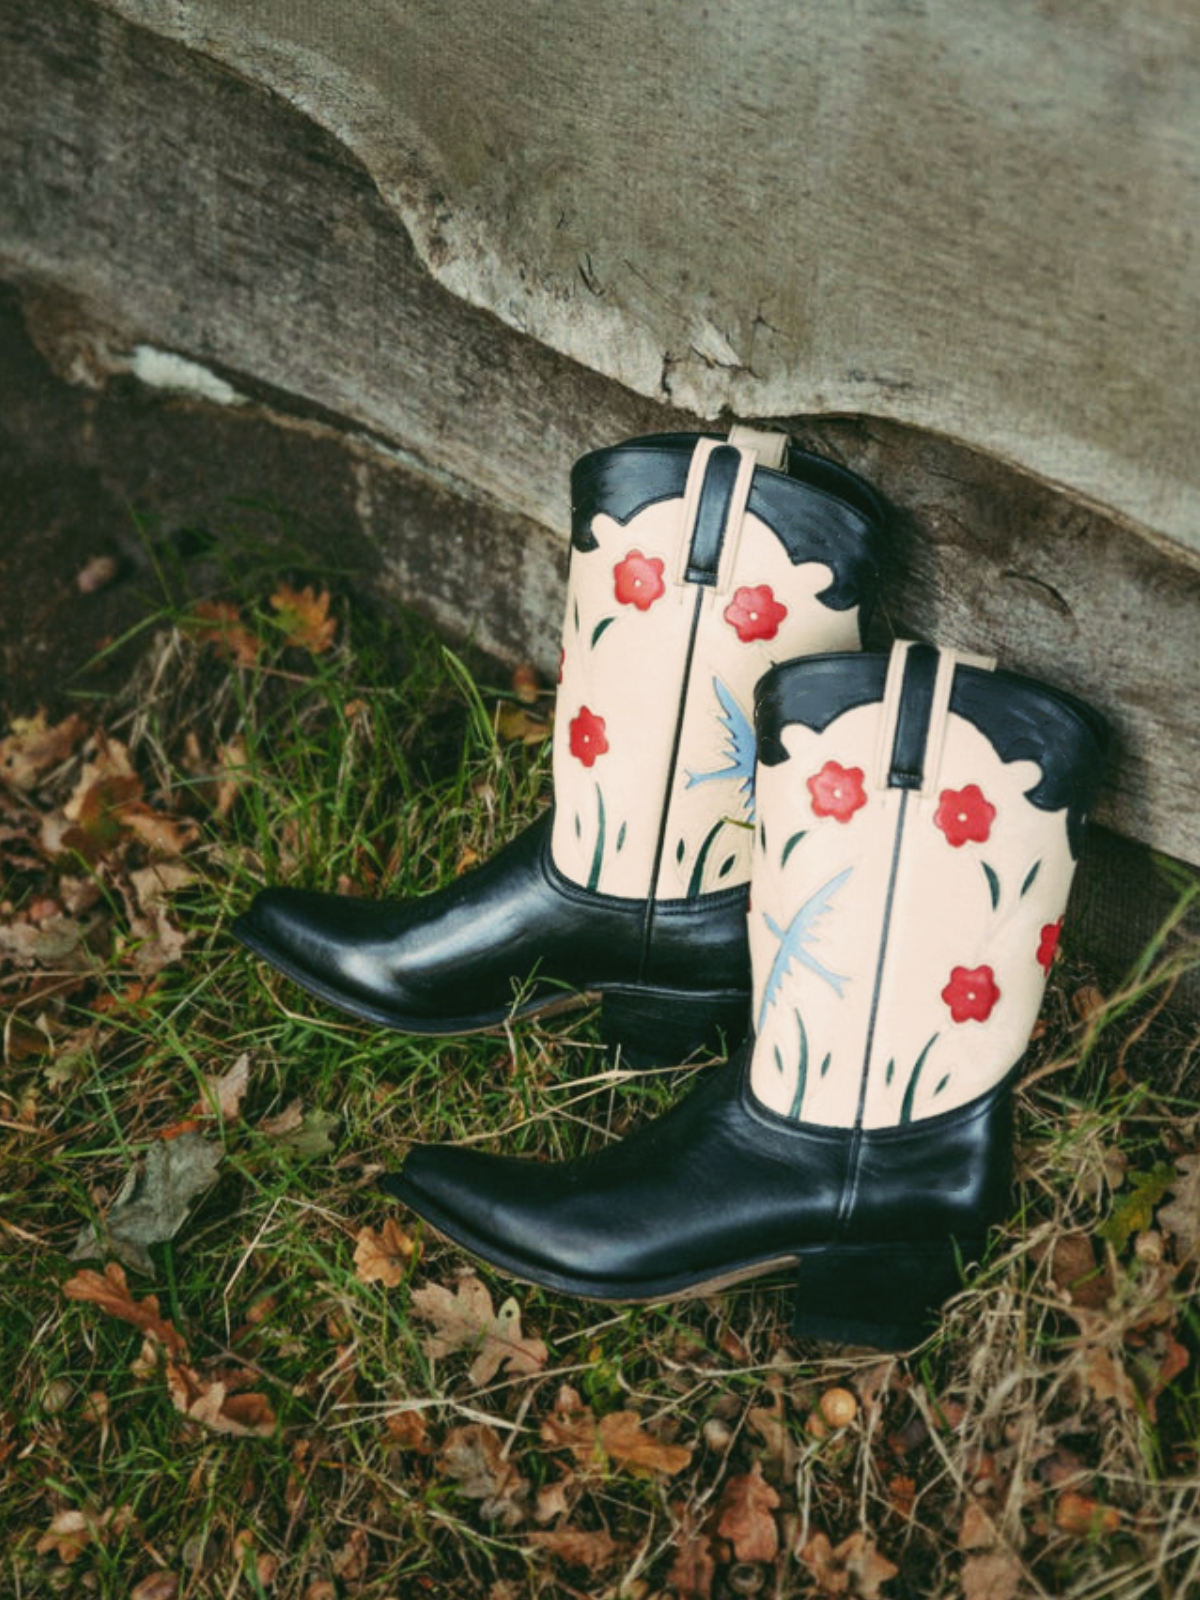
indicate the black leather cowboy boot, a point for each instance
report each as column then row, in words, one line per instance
column 696, row 563
column 918, row 825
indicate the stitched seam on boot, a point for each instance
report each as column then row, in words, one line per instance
column 677, row 739
column 850, row 1181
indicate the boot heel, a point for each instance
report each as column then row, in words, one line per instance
column 887, row 1296
column 659, row 1027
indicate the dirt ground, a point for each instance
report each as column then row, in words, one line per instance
column 118, row 501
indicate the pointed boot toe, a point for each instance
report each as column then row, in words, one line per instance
column 919, row 821
column 696, row 563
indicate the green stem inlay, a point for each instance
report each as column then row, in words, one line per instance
column 598, row 853
column 906, row 1108
column 801, row 1072
column 697, row 877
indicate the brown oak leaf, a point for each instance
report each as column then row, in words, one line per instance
column 854, row 1567
column 1075, row 1271
column 745, row 1516
column 1180, row 1217
column 304, row 617
column 156, row 1586
column 70, row 1532
column 109, row 1291
column 474, row 1457
column 408, row 1430
column 218, row 624
column 552, row 1501
column 225, row 1091
column 578, row 1547
column 571, row 1425
column 693, row 1569
column 383, row 1257
column 463, row 1319
column 624, row 1439
column 29, row 751
column 992, row 1575
column 219, row 1402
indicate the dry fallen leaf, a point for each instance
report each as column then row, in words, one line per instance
column 383, row 1257
column 408, row 1430
column 994, row 1575
column 745, row 1516
column 1080, row 1514
column 693, row 1569
column 579, row 1548
column 463, row 1319
column 218, row 624
column 552, row 1501
column 220, row 1403
column 109, row 1291
column 69, row 1534
column 1075, row 1272
column 157, row 1586
column 305, row 1133
column 515, row 723
column 227, row 1090
column 1105, row 1375
column 351, row 1561
column 526, row 684
column 624, row 1439
column 855, row 1567
column 770, row 1422
column 473, row 1456
column 978, row 1531
column 154, row 1200
column 570, row 1425
column 304, row 617
column 1181, row 1215
column 34, row 747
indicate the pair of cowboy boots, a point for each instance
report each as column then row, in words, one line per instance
column 857, row 863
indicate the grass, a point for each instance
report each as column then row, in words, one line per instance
column 1042, row 1442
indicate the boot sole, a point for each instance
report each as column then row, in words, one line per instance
column 854, row 1281
column 651, row 1026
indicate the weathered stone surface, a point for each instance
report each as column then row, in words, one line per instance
column 975, row 220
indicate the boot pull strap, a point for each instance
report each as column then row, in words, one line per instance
column 714, row 502
column 915, row 713
column 770, row 448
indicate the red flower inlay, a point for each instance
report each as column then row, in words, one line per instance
column 639, row 580
column 837, row 791
column 587, row 736
column 754, row 613
column 965, row 814
column 971, row 993
column 1049, row 944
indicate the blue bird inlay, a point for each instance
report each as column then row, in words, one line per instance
column 739, row 749
column 800, row 932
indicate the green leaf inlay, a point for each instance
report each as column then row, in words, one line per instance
column 598, row 853
column 993, row 884
column 790, row 846
column 801, row 1071
column 697, row 875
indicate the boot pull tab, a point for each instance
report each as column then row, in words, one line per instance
column 770, row 449
column 714, row 502
column 915, row 714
